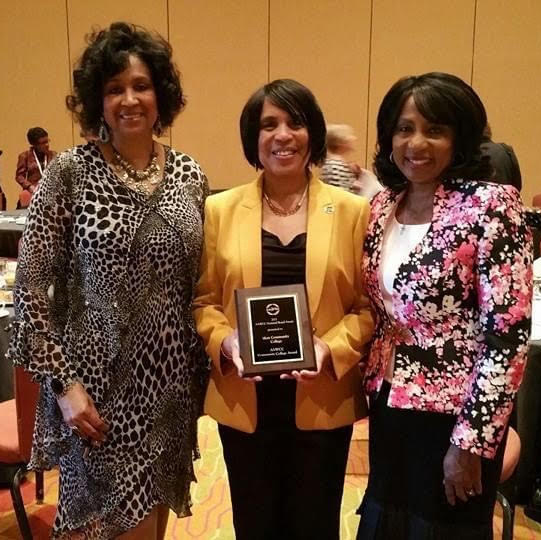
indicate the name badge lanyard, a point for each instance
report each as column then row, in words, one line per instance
column 39, row 164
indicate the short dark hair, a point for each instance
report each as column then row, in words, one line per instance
column 34, row 134
column 444, row 99
column 106, row 55
column 299, row 102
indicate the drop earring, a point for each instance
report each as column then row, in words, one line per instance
column 103, row 132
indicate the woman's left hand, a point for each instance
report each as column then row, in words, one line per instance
column 461, row 474
column 323, row 361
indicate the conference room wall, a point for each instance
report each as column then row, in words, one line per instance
column 34, row 62
column 222, row 47
column 348, row 52
column 424, row 36
column 329, row 51
column 507, row 75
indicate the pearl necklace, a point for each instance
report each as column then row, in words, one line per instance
column 284, row 213
column 143, row 181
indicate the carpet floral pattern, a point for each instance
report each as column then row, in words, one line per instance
column 212, row 518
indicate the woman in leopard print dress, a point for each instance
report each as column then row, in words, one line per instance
column 103, row 299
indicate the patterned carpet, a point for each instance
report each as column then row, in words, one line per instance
column 212, row 519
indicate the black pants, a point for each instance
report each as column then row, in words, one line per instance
column 286, row 483
column 405, row 498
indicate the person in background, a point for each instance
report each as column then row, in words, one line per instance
column 338, row 171
column 32, row 163
column 285, row 438
column 506, row 169
column 448, row 272
column 115, row 227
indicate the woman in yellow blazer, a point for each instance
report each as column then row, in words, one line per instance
column 285, row 438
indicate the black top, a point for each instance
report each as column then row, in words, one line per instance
column 504, row 162
column 281, row 265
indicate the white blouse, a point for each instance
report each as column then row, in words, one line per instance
column 398, row 242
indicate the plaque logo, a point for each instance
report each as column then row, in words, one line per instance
column 272, row 309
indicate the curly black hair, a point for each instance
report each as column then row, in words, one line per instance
column 444, row 99
column 106, row 55
column 297, row 100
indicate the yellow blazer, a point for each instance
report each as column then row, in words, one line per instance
column 339, row 309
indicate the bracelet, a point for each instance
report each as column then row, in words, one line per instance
column 67, row 387
column 61, row 388
column 223, row 353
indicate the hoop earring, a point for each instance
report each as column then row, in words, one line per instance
column 103, row 132
column 391, row 159
column 158, row 128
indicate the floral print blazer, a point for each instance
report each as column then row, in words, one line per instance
column 461, row 303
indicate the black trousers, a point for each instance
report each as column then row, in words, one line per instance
column 286, row 483
column 405, row 498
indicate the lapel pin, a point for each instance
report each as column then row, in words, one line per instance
column 329, row 208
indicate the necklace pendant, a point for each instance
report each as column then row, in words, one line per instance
column 140, row 181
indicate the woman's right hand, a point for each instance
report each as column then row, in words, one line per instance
column 81, row 415
column 461, row 475
column 231, row 357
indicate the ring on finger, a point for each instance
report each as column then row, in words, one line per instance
column 470, row 493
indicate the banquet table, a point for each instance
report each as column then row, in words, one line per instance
column 529, row 423
column 11, row 229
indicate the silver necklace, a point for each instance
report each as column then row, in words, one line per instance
column 142, row 181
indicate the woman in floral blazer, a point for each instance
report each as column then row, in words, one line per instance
column 448, row 271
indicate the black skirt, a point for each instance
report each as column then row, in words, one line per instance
column 405, row 497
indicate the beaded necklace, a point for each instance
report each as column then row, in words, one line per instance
column 144, row 181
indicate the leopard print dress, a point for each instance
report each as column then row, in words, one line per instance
column 103, row 294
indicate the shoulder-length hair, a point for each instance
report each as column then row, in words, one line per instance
column 444, row 99
column 299, row 102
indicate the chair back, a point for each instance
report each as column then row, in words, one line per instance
column 536, row 201
column 26, row 398
column 511, row 455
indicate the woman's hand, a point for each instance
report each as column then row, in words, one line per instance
column 461, row 474
column 229, row 352
column 80, row 414
column 323, row 362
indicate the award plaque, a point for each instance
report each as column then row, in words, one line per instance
column 275, row 331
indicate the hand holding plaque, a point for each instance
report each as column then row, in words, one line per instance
column 275, row 331
column 229, row 351
column 323, row 365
